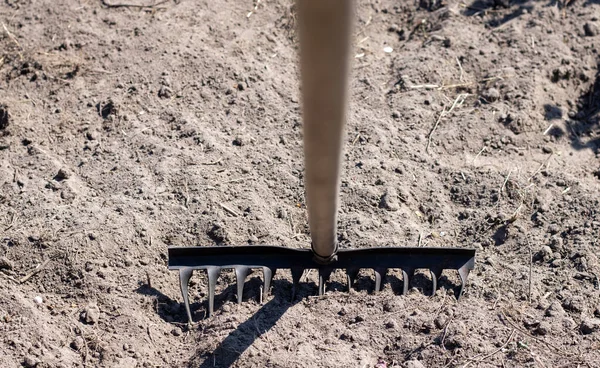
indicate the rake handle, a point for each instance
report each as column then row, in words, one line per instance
column 325, row 27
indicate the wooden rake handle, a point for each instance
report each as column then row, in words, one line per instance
column 325, row 28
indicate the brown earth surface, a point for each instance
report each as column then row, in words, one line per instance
column 125, row 129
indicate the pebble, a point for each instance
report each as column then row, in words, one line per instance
column 4, row 117
column 491, row 94
column 544, row 254
column 590, row 29
column 62, row 174
column 5, row 263
column 38, row 300
column 389, row 200
column 414, row 364
column 239, row 141
column 77, row 344
column 553, row 229
column 165, row 92
column 440, row 322
column 176, row 331
column 543, row 328
column 30, row 361
column 589, row 326
column 554, row 310
column 391, row 324
column 91, row 314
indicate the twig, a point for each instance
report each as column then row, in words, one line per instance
column 445, row 333
column 12, row 37
column 540, row 168
column 9, row 277
column 253, row 10
column 35, row 271
column 120, row 5
column 517, row 328
column 212, row 163
column 483, row 359
column 461, row 97
column 505, row 181
column 461, row 69
column 530, row 271
column 478, row 154
column 229, row 210
column 434, row 128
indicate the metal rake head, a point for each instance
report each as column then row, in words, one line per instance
column 270, row 258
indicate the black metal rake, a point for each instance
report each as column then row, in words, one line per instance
column 243, row 259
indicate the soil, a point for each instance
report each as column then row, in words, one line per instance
column 125, row 129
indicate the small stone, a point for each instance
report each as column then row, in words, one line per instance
column 91, row 314
column 4, row 117
column 77, row 344
column 38, row 300
column 218, row 234
column 555, row 310
column 554, row 229
column 62, row 174
column 282, row 213
column 589, row 326
column 491, row 94
column 543, row 328
column 414, row 364
column 547, row 149
column 165, row 92
column 343, row 311
column 6, row 264
column 381, row 363
column 389, row 200
column 176, row 331
column 590, row 29
column 239, row 141
column 391, row 324
column 90, row 135
column 358, row 319
column 30, row 361
column 440, row 321
column 543, row 254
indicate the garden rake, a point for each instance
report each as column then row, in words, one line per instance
column 325, row 31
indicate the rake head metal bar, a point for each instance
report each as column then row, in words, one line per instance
column 243, row 259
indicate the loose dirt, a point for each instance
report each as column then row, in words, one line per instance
column 128, row 129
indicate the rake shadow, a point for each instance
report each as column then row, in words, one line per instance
column 240, row 339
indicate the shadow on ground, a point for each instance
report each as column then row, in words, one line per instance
column 239, row 340
column 582, row 128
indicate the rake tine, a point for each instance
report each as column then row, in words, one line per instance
column 436, row 273
column 268, row 274
column 296, row 275
column 241, row 272
column 405, row 282
column 324, row 274
column 213, row 273
column 379, row 275
column 463, row 272
column 351, row 275
column 184, row 279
